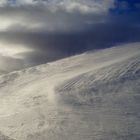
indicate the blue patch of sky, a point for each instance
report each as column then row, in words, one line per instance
column 125, row 7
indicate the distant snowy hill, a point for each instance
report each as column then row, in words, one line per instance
column 92, row 96
column 2, row 72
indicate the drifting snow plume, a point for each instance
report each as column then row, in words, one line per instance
column 95, row 95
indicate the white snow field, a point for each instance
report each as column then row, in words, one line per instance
column 92, row 96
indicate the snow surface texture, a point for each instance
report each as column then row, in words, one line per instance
column 92, row 96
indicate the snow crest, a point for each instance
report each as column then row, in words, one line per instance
column 95, row 95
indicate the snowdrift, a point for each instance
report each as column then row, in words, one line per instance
column 92, row 96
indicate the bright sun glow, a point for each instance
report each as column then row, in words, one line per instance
column 11, row 50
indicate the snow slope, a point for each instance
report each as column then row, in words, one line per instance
column 2, row 72
column 92, row 96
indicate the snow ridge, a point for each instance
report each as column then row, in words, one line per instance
column 95, row 95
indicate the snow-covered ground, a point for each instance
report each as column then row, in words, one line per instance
column 92, row 96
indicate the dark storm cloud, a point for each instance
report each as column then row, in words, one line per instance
column 52, row 46
column 37, row 18
column 71, row 28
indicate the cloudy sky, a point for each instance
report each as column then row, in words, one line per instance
column 33, row 32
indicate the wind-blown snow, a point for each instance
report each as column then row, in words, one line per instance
column 92, row 96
